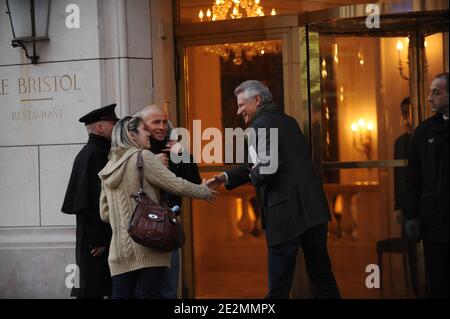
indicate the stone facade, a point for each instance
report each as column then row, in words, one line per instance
column 109, row 59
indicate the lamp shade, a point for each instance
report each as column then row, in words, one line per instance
column 29, row 19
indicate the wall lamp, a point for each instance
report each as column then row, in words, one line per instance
column 29, row 23
column 362, row 137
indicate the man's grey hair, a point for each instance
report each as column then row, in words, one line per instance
column 252, row 88
column 91, row 128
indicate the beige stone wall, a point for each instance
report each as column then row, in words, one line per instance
column 109, row 59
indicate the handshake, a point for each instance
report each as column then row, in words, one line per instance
column 216, row 181
column 213, row 184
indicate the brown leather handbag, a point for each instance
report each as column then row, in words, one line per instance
column 152, row 225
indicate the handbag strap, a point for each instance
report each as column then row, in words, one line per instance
column 140, row 167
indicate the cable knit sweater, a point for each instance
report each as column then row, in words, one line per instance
column 120, row 179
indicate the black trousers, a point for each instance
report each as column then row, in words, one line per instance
column 144, row 283
column 282, row 259
column 436, row 263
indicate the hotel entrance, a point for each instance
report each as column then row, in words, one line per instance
column 345, row 84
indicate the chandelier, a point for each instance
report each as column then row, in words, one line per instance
column 233, row 9
column 237, row 52
column 237, row 9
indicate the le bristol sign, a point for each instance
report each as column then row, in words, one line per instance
column 41, row 104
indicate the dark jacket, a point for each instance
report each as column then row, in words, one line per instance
column 292, row 198
column 187, row 171
column 428, row 178
column 401, row 151
column 82, row 199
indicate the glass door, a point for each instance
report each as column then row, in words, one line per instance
column 368, row 91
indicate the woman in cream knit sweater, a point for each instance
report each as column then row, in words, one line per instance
column 136, row 271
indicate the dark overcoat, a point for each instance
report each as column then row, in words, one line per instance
column 427, row 193
column 82, row 199
column 292, row 198
column 401, row 151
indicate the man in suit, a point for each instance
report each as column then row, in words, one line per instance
column 82, row 199
column 294, row 208
column 427, row 201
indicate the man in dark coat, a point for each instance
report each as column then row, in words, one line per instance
column 427, row 197
column 294, row 207
column 401, row 151
column 82, row 199
column 157, row 124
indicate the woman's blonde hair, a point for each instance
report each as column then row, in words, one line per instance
column 121, row 134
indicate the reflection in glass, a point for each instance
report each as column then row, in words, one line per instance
column 361, row 223
column 367, row 114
